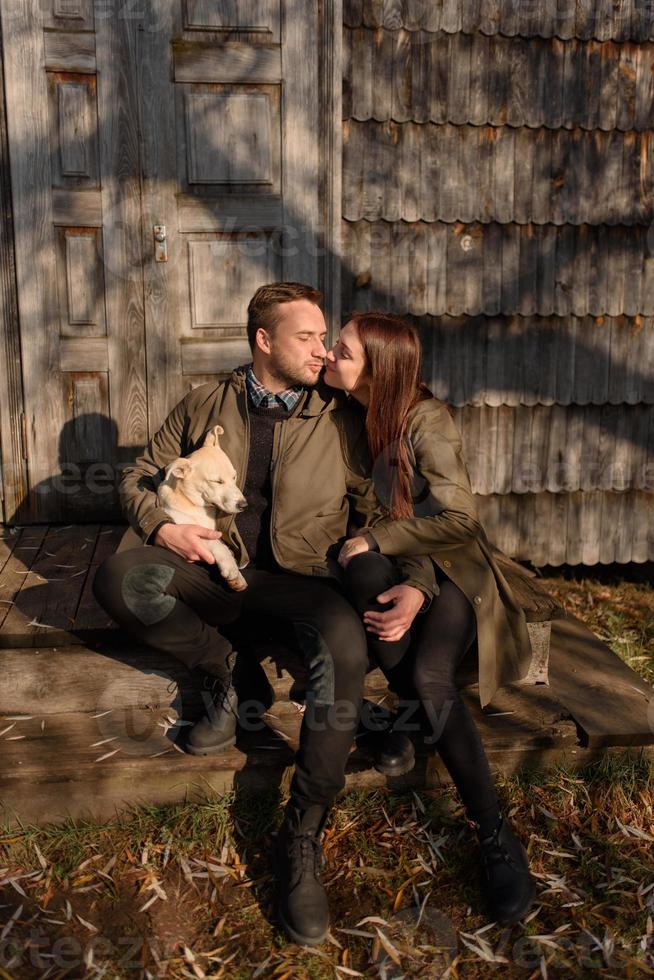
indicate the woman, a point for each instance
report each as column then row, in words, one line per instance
column 420, row 476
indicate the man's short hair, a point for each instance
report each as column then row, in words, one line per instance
column 262, row 308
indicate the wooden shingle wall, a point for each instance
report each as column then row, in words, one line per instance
column 498, row 178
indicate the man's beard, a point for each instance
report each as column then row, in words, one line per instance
column 288, row 374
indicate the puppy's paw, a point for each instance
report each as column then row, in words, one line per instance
column 238, row 584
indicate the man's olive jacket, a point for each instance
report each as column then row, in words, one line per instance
column 320, row 472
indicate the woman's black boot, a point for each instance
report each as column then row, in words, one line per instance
column 303, row 909
column 506, row 880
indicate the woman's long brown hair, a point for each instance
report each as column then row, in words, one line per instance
column 394, row 361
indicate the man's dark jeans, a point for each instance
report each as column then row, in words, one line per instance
column 174, row 606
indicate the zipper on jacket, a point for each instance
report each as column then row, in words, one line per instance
column 276, row 455
column 231, row 527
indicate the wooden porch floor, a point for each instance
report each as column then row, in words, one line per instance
column 89, row 718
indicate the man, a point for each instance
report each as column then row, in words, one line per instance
column 301, row 456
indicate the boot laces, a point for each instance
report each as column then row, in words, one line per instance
column 217, row 688
column 305, row 854
column 495, row 851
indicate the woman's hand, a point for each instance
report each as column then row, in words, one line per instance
column 353, row 546
column 392, row 625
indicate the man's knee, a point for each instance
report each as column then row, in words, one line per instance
column 106, row 580
column 335, row 653
column 136, row 586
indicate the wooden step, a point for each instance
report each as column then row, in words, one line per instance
column 55, row 680
column 46, row 574
column 83, row 763
column 87, row 732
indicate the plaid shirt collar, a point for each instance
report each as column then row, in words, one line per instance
column 262, row 398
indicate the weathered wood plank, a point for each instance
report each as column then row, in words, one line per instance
column 27, row 112
column 124, row 755
column 231, row 62
column 69, row 15
column 50, row 591
column 498, row 79
column 16, row 566
column 58, row 765
column 9, row 538
column 514, row 521
column 118, row 673
column 89, row 615
column 610, row 702
column 108, row 795
column 229, row 214
column 84, row 354
column 516, row 175
column 14, row 475
column 72, row 51
column 514, row 243
column 547, row 19
column 120, row 172
column 213, row 356
column 82, row 208
column 521, row 360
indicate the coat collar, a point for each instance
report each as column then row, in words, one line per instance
column 313, row 402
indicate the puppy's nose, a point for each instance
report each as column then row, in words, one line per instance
column 242, row 504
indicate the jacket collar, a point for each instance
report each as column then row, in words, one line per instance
column 314, row 401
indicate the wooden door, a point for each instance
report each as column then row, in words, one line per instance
column 202, row 116
column 72, row 125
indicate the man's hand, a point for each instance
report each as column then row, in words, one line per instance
column 353, row 546
column 187, row 540
column 392, row 625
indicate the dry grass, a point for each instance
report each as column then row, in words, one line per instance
column 188, row 891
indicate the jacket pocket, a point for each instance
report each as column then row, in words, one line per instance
column 319, row 538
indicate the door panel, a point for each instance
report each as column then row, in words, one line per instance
column 233, row 91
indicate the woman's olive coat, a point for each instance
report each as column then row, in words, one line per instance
column 445, row 526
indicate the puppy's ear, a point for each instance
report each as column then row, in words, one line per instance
column 211, row 438
column 179, row 468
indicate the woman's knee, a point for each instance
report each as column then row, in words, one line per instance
column 367, row 575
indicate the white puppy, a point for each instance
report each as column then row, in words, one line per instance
column 199, row 487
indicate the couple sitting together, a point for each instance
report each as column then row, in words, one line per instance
column 360, row 534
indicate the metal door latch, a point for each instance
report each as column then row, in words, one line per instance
column 160, row 244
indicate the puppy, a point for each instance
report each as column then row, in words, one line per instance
column 199, row 487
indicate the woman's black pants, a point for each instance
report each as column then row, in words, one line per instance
column 420, row 669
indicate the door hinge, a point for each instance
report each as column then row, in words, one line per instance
column 23, row 434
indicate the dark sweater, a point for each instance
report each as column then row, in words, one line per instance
column 254, row 523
